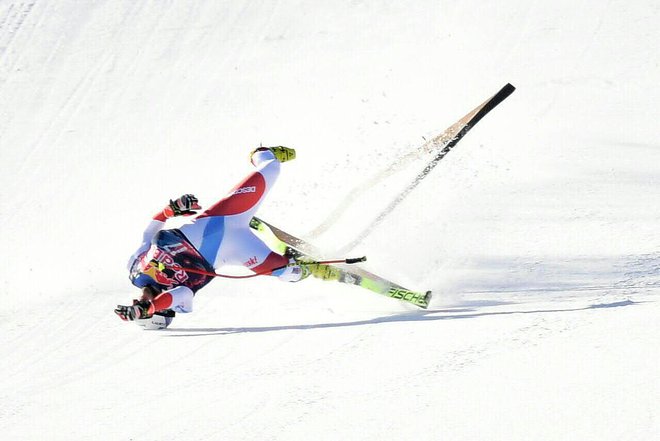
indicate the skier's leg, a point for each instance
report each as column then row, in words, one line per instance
column 179, row 299
column 242, row 247
column 208, row 230
column 245, row 198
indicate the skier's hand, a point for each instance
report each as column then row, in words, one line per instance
column 182, row 206
column 139, row 309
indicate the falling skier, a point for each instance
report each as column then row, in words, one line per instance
column 221, row 235
column 172, row 265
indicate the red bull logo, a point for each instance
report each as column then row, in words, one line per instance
column 156, row 272
column 157, row 266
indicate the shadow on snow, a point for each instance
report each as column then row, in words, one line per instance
column 417, row 316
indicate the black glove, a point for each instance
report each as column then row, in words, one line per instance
column 184, row 205
column 139, row 309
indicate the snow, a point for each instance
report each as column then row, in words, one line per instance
column 538, row 233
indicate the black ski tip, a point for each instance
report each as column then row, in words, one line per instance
column 357, row 259
column 504, row 92
column 428, row 297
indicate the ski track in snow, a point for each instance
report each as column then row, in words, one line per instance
column 538, row 233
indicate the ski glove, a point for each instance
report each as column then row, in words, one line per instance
column 140, row 309
column 182, row 206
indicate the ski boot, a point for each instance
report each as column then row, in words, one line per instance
column 320, row 271
column 282, row 154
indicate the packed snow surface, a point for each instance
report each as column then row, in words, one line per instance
column 539, row 233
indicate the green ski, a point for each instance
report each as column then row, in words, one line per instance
column 283, row 242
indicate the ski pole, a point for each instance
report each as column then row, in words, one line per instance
column 348, row 261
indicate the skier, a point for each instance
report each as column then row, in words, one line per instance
column 219, row 236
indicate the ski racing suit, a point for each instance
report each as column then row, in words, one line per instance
column 219, row 236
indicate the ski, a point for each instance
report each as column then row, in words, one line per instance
column 440, row 145
column 448, row 140
column 284, row 242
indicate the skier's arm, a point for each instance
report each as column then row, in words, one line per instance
column 152, row 229
column 178, row 299
column 182, row 206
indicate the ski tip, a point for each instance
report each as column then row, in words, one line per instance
column 428, row 297
column 508, row 89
